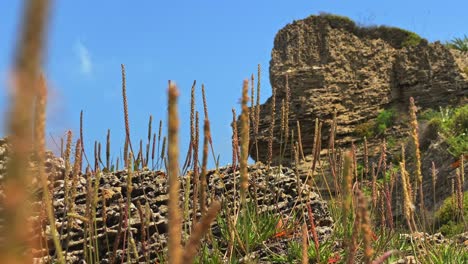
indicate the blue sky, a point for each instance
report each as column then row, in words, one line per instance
column 218, row 43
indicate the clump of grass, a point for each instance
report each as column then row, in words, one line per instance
column 448, row 218
column 452, row 125
column 460, row 44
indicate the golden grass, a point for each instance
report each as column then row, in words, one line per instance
column 175, row 217
column 39, row 132
column 244, row 140
column 16, row 204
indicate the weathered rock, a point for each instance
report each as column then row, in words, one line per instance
column 275, row 190
column 334, row 65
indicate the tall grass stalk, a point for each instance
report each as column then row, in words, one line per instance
column 125, row 108
column 417, row 154
column 196, row 170
column 210, row 140
column 257, row 109
column 199, row 230
column 39, row 131
column 150, row 122
column 272, row 127
column 175, row 220
column 108, row 150
column 244, row 142
column 16, row 204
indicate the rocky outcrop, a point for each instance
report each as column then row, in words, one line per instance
column 334, row 65
column 274, row 190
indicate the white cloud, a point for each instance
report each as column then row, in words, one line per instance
column 82, row 52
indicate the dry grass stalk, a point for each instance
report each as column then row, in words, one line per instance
column 313, row 229
column 125, row 108
column 150, row 122
column 316, row 150
column 16, row 204
column 352, row 244
column 374, row 186
column 286, row 108
column 203, row 185
column 347, row 189
column 196, row 172
column 139, row 159
column 210, row 140
column 305, row 254
column 462, row 169
column 386, row 190
column 272, row 126
column 434, row 181
column 252, row 106
column 282, row 122
column 159, row 135
column 82, row 142
column 257, row 110
column 384, row 257
column 130, row 167
column 366, row 159
column 235, row 140
column 365, row 226
column 244, row 140
column 108, row 150
column 39, row 132
column 355, row 172
column 299, row 139
column 125, row 153
column 95, row 155
column 163, row 150
column 175, row 218
column 153, row 149
column 419, row 178
column 72, row 191
column 459, row 193
column 199, row 230
column 99, row 153
column 332, row 154
column 408, row 206
column 188, row 158
column 61, row 147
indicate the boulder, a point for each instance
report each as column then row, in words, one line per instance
column 334, row 65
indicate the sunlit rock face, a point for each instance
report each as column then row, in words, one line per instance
column 334, row 65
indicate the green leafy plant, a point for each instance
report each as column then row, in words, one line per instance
column 446, row 216
column 261, row 227
column 384, row 120
column 452, row 124
column 460, row 44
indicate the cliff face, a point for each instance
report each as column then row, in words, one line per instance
column 333, row 65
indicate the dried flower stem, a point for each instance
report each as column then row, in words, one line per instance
column 272, row 126
column 175, row 220
column 39, row 130
column 125, row 106
column 199, row 230
column 244, row 136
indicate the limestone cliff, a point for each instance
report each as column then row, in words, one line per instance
column 332, row 64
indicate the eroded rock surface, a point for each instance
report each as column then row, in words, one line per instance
column 276, row 191
column 334, row 65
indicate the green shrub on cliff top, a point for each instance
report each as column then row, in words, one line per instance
column 452, row 124
column 460, row 44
